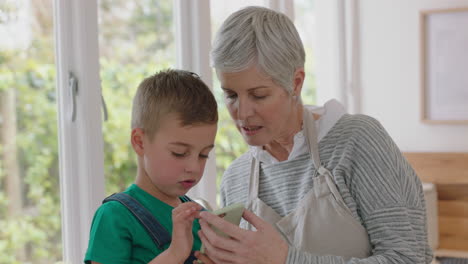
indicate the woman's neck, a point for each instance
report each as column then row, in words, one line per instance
column 281, row 147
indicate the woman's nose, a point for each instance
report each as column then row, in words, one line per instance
column 245, row 109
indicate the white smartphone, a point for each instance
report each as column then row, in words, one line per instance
column 232, row 213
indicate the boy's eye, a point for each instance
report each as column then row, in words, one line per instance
column 203, row 156
column 230, row 95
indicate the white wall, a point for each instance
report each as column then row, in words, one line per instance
column 390, row 74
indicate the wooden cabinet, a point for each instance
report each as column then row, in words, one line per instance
column 449, row 173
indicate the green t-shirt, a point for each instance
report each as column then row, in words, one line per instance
column 118, row 237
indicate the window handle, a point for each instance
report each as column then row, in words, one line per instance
column 73, row 86
column 104, row 108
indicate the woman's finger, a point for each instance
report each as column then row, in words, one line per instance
column 216, row 254
column 224, row 243
column 252, row 218
column 228, row 228
column 267, row 245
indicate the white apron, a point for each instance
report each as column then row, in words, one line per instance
column 321, row 224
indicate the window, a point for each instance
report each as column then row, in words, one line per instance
column 304, row 19
column 136, row 40
column 30, row 224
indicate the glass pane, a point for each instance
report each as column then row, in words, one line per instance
column 136, row 39
column 305, row 24
column 229, row 142
column 30, row 224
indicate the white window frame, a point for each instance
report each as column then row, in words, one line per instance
column 81, row 152
column 193, row 44
column 284, row 6
column 352, row 46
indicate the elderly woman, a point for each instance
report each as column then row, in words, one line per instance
column 319, row 185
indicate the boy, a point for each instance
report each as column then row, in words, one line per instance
column 174, row 123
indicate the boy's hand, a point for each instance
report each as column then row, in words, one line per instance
column 182, row 221
column 202, row 258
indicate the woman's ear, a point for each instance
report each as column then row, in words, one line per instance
column 137, row 139
column 299, row 76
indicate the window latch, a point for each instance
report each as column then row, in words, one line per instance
column 73, row 86
column 104, row 108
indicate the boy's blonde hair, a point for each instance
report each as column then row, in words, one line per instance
column 173, row 91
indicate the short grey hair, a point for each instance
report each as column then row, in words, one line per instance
column 262, row 37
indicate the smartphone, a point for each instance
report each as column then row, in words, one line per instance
column 232, row 213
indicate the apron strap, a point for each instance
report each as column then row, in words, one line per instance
column 310, row 131
column 254, row 179
column 312, row 140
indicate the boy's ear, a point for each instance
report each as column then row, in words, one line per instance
column 137, row 139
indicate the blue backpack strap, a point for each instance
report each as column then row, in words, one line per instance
column 156, row 231
column 190, row 259
column 185, row 199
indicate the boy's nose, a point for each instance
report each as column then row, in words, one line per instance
column 193, row 167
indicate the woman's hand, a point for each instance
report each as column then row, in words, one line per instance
column 243, row 246
column 182, row 237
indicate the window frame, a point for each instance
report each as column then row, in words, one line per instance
column 193, row 44
column 81, row 153
column 283, row 6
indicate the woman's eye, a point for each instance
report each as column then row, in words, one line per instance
column 259, row 96
column 179, row 155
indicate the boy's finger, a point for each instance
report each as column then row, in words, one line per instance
column 202, row 258
column 176, row 214
column 194, row 204
column 188, row 205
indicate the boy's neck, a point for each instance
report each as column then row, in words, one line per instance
column 144, row 182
